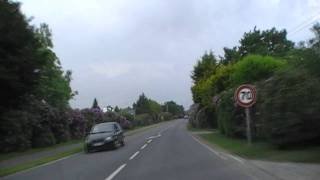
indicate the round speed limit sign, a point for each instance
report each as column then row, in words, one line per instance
column 245, row 95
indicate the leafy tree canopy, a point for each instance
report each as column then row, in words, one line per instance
column 204, row 67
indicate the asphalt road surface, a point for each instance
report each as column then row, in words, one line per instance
column 168, row 151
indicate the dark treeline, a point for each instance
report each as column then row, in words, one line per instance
column 35, row 91
column 287, row 112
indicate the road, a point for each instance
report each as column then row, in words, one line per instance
column 167, row 151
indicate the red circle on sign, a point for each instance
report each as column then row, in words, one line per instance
column 245, row 95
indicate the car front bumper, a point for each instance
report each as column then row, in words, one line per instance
column 100, row 145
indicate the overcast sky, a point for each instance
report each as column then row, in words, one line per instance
column 118, row 49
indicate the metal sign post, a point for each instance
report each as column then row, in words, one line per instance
column 248, row 122
column 245, row 96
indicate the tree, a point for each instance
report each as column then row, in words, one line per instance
column 205, row 66
column 267, row 42
column 142, row 104
column 19, row 53
column 54, row 84
column 230, row 55
column 95, row 104
column 314, row 43
column 116, row 109
column 173, row 108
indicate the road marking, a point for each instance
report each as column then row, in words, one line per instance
column 116, row 172
column 149, row 141
column 210, row 149
column 237, row 159
column 134, row 155
column 145, row 145
column 152, row 137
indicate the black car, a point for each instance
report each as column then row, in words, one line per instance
column 103, row 136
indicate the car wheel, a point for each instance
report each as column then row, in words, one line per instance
column 122, row 142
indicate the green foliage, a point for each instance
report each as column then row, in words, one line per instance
column 205, row 89
column 205, row 66
column 225, row 111
column 173, row 108
column 290, row 107
column 15, row 131
column 19, row 56
column 165, row 116
column 230, row 55
column 143, row 119
column 145, row 105
column 255, row 67
column 267, row 43
column 33, row 83
column 54, row 84
column 116, row 109
column 142, row 104
column 287, row 78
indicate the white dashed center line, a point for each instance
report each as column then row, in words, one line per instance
column 134, row 155
column 144, row 146
column 116, row 172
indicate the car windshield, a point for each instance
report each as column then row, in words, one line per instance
column 101, row 128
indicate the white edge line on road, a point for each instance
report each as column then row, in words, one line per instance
column 149, row 141
column 115, row 172
column 237, row 159
column 42, row 165
column 144, row 146
column 134, row 155
column 209, row 148
column 219, row 154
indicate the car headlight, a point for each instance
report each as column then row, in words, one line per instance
column 108, row 138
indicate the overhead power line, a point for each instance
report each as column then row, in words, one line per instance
column 305, row 24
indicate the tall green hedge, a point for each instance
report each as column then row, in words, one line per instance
column 290, row 107
column 254, row 68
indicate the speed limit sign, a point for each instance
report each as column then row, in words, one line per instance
column 245, row 95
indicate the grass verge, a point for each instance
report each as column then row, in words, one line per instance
column 262, row 150
column 6, row 156
column 28, row 165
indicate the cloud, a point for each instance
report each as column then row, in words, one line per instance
column 109, row 70
column 120, row 48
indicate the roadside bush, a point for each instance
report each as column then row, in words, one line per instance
column 192, row 112
column 60, row 125
column 290, row 107
column 230, row 117
column 128, row 116
column 225, row 110
column 205, row 89
column 92, row 116
column 253, row 68
column 42, row 118
column 77, row 124
column 15, row 131
column 165, row 116
column 125, row 124
column 143, row 119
